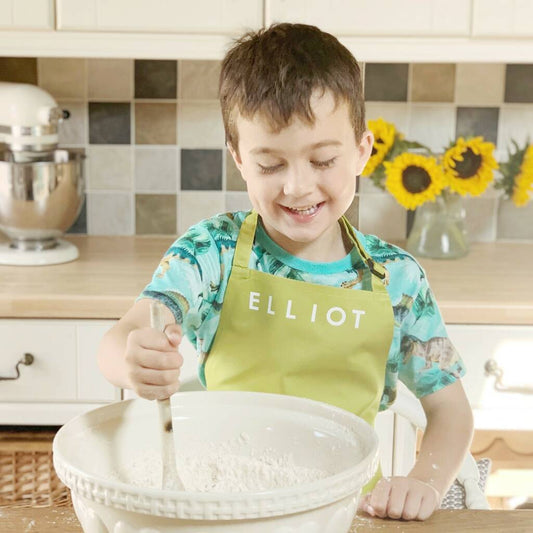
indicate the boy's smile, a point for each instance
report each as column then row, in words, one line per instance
column 301, row 179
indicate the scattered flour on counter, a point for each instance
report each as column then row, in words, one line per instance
column 225, row 467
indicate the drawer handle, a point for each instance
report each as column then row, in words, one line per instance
column 27, row 359
column 492, row 369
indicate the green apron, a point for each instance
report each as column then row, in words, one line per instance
column 283, row 336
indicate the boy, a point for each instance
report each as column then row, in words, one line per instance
column 290, row 298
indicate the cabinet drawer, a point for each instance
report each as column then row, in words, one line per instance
column 64, row 364
column 511, row 347
column 52, row 375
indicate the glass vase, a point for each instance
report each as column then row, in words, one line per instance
column 439, row 229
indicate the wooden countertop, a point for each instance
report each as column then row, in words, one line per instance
column 63, row 519
column 492, row 285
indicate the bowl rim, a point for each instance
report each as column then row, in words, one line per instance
column 222, row 505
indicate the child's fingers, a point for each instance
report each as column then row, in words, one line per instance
column 174, row 334
column 427, row 506
column 150, row 339
column 154, row 392
column 397, row 496
column 412, row 505
column 379, row 498
column 156, row 360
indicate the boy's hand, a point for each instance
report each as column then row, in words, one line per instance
column 401, row 497
column 154, row 362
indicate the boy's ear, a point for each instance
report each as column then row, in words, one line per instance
column 365, row 150
column 236, row 157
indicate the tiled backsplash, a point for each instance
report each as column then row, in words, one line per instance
column 156, row 160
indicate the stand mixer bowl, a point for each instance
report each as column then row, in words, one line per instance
column 40, row 200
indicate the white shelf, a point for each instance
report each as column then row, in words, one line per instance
column 213, row 46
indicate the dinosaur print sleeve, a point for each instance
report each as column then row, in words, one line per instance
column 428, row 361
column 187, row 279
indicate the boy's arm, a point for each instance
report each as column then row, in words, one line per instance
column 446, row 440
column 447, row 437
column 112, row 349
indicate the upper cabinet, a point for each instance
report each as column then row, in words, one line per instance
column 436, row 18
column 27, row 14
column 502, row 18
column 177, row 16
column 428, row 31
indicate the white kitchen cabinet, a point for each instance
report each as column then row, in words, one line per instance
column 182, row 16
column 27, row 14
column 511, row 347
column 502, row 18
column 63, row 378
column 435, row 18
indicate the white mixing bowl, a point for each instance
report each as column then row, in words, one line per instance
column 91, row 449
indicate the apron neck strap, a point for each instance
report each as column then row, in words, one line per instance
column 245, row 240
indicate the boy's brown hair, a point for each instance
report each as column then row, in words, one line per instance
column 275, row 70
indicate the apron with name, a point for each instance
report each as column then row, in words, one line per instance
column 286, row 336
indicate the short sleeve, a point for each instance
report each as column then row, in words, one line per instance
column 187, row 279
column 428, row 361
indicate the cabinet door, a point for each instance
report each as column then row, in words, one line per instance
column 511, row 347
column 27, row 14
column 182, row 16
column 379, row 17
column 502, row 18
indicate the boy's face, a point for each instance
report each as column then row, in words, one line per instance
column 302, row 179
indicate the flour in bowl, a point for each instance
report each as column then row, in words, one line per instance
column 224, row 467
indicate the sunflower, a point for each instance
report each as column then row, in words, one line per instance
column 384, row 134
column 523, row 183
column 414, row 179
column 468, row 165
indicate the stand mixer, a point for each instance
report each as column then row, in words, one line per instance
column 41, row 186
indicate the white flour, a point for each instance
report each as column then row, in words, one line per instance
column 227, row 467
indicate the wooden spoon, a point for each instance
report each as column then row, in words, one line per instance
column 171, row 479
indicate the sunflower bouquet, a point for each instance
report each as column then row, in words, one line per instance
column 414, row 175
column 517, row 174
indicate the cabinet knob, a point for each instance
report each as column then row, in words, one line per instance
column 27, row 359
column 492, row 369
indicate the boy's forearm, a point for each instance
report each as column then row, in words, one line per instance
column 111, row 353
column 446, row 440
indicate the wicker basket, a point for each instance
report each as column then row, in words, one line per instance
column 27, row 475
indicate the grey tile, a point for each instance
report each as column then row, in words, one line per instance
column 109, row 168
column 194, row 206
column 155, row 214
column 156, row 169
column 474, row 121
column 109, row 123
column 234, row 181
column 80, row 225
column 73, row 130
column 519, row 83
column 481, row 214
column 110, row 213
column 18, row 69
column 382, row 215
column 515, row 223
column 156, row 78
column 238, row 201
column 386, row 81
column 201, row 170
column 200, row 125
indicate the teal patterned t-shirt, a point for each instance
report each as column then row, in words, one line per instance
column 192, row 277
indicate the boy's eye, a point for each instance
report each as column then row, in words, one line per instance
column 269, row 169
column 324, row 164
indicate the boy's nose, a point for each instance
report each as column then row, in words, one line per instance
column 298, row 182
